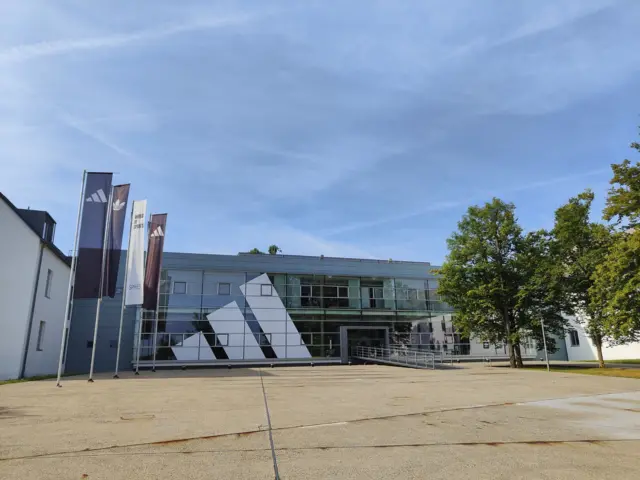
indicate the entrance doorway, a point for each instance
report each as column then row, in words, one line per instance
column 365, row 336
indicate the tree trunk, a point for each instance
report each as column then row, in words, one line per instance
column 518, row 355
column 510, row 350
column 597, row 341
column 512, row 355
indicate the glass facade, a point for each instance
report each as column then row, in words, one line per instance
column 210, row 316
column 217, row 315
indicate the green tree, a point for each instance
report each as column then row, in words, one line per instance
column 478, row 273
column 579, row 247
column 616, row 289
column 623, row 200
column 256, row 251
column 541, row 296
column 494, row 276
column 274, row 250
column 617, row 280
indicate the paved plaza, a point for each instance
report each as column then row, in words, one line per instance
column 340, row 422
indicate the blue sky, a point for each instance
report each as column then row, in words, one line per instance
column 348, row 128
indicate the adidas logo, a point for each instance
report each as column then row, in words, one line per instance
column 157, row 232
column 97, row 197
column 118, row 205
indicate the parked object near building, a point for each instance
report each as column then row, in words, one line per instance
column 33, row 286
column 265, row 309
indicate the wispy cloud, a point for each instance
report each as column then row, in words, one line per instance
column 447, row 205
column 25, row 52
column 377, row 121
column 71, row 122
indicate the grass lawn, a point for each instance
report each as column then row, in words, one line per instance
column 629, row 361
column 603, row 372
column 30, row 379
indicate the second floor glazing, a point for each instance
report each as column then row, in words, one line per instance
column 191, row 288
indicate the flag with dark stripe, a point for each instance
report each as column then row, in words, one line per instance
column 92, row 228
column 157, row 228
column 118, row 214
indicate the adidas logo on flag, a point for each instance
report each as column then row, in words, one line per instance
column 118, row 205
column 158, row 232
column 97, row 197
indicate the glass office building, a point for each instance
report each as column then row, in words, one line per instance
column 257, row 309
column 294, row 308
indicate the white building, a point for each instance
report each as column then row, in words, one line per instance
column 34, row 277
column 580, row 347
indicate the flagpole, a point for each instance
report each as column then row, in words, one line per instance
column 141, row 319
column 124, row 294
column 72, row 274
column 105, row 247
column 155, row 334
column 141, row 313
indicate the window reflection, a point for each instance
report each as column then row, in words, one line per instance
column 311, row 312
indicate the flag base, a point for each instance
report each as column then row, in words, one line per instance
column 90, row 380
column 116, row 376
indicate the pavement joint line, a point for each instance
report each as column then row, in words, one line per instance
column 293, row 427
column 247, row 432
column 542, row 443
column 273, row 450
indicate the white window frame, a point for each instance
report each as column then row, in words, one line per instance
column 47, row 288
column 40, row 340
column 220, row 284
column 173, row 290
column 262, row 290
column 302, row 342
column 267, row 336
column 219, row 337
column 575, row 343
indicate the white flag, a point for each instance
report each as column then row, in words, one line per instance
column 134, row 290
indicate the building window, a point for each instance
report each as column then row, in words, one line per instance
column 179, row 288
column 222, row 339
column 573, row 337
column 47, row 288
column 40, row 335
column 266, row 290
column 264, row 339
column 224, row 289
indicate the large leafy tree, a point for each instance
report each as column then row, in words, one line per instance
column 579, row 247
column 494, row 278
column 541, row 296
column 623, row 201
column 616, row 286
column 616, row 289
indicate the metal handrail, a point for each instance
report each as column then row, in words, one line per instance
column 399, row 356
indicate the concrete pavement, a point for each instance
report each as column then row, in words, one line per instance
column 353, row 422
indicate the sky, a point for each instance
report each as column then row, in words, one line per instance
column 356, row 128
